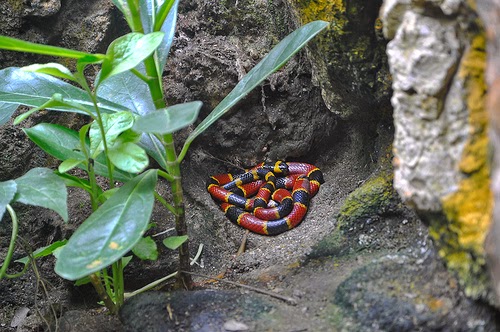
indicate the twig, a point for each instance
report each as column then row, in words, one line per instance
column 39, row 282
column 163, row 232
column 198, row 254
column 149, row 286
column 287, row 299
column 243, row 244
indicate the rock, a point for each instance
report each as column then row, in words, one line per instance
column 42, row 8
column 394, row 293
column 392, row 12
column 89, row 321
column 370, row 199
column 232, row 325
column 19, row 316
column 204, row 310
column 349, row 61
column 488, row 10
column 437, row 59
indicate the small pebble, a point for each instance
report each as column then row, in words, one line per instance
column 298, row 293
column 19, row 316
column 232, row 325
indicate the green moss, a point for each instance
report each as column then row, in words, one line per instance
column 369, row 199
column 334, row 244
column 16, row 5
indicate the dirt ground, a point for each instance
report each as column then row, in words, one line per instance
column 373, row 271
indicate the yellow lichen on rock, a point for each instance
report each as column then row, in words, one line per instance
column 327, row 10
column 311, row 10
column 469, row 209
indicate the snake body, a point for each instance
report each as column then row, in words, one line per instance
column 260, row 201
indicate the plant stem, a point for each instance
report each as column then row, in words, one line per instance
column 163, row 13
column 164, row 203
column 94, row 199
column 104, row 143
column 83, row 82
column 134, row 19
column 165, row 175
column 96, row 282
column 13, row 237
column 173, row 168
column 118, row 283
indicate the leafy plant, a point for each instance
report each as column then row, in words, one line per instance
column 130, row 123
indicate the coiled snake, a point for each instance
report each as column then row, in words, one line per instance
column 260, row 201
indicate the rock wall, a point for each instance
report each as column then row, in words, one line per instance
column 437, row 60
column 490, row 14
column 349, row 61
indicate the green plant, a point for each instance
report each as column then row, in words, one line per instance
column 130, row 122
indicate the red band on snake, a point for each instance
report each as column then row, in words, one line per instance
column 247, row 198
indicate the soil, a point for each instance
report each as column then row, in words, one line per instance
column 377, row 271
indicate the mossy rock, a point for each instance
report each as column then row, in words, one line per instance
column 366, row 216
column 374, row 197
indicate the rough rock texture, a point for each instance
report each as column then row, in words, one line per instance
column 202, row 310
column 359, row 246
column 490, row 14
column 437, row 59
column 349, row 61
column 216, row 44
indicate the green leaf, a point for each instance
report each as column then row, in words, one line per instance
column 56, row 101
column 174, row 242
column 133, row 93
column 129, row 136
column 56, row 140
column 53, row 69
column 73, row 181
column 146, row 249
column 126, row 260
column 69, row 164
column 278, row 56
column 86, row 280
column 168, row 27
column 7, row 191
column 113, row 124
column 6, row 111
column 41, row 187
column 147, row 9
column 128, row 90
column 111, row 231
column 128, row 157
column 107, row 194
column 154, row 148
column 42, row 252
column 101, row 169
column 63, row 143
column 162, row 13
column 13, row 44
column 168, row 120
column 127, row 52
column 20, row 87
column 82, row 281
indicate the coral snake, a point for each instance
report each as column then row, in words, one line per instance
column 260, row 201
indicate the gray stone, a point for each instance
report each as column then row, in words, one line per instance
column 429, row 113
